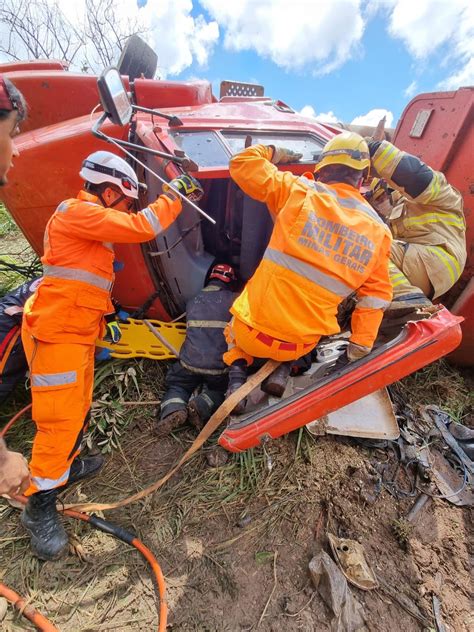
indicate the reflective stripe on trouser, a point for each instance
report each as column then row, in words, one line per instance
column 244, row 345
column 62, row 377
column 407, row 269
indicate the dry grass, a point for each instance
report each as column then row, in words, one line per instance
column 203, row 523
column 441, row 384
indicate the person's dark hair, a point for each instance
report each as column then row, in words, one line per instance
column 98, row 189
column 339, row 173
column 17, row 99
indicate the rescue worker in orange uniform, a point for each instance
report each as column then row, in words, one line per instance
column 327, row 242
column 14, row 475
column 64, row 318
column 425, row 215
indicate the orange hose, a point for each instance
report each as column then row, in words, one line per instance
column 152, row 561
column 160, row 580
column 27, row 610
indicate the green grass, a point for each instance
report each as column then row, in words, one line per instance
column 18, row 262
column 7, row 223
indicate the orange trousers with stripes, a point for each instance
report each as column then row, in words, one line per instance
column 62, row 379
column 243, row 344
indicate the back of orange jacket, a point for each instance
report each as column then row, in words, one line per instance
column 74, row 294
column 327, row 243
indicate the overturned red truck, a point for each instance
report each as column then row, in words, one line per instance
column 191, row 129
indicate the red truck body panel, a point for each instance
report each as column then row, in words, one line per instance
column 56, row 138
column 422, row 343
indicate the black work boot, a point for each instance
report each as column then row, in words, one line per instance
column 41, row 519
column 202, row 407
column 165, row 425
column 195, row 416
column 237, row 378
column 84, row 467
column 275, row 383
column 407, row 304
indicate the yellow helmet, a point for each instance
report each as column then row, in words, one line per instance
column 347, row 148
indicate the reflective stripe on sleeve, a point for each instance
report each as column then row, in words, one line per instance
column 63, row 207
column 373, row 302
column 382, row 161
column 75, row 274
column 434, row 187
column 43, row 484
column 109, row 245
column 54, row 379
column 152, row 220
column 221, row 324
column 435, row 218
column 308, row 272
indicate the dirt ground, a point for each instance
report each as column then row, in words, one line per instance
column 234, row 542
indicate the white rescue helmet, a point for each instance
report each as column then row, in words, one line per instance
column 103, row 166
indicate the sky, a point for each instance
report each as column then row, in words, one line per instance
column 338, row 60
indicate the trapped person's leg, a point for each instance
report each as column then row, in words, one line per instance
column 180, row 384
column 212, row 395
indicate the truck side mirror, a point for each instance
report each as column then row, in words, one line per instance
column 114, row 97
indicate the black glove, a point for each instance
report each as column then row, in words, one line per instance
column 373, row 145
column 187, row 186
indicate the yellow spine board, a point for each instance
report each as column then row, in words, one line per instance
column 139, row 342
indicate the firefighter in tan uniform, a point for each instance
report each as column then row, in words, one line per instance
column 425, row 215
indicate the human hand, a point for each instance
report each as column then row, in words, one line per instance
column 356, row 352
column 186, row 185
column 14, row 473
column 283, row 156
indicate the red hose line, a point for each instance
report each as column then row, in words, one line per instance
column 27, row 610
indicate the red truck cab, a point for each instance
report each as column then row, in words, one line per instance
column 164, row 273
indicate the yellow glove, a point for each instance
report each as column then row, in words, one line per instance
column 356, row 352
column 283, row 156
column 187, row 186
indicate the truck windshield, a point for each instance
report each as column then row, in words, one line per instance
column 213, row 149
column 205, row 148
column 305, row 144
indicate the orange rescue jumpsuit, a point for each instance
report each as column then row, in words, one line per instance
column 327, row 242
column 64, row 317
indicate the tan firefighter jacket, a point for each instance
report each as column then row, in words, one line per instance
column 429, row 213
